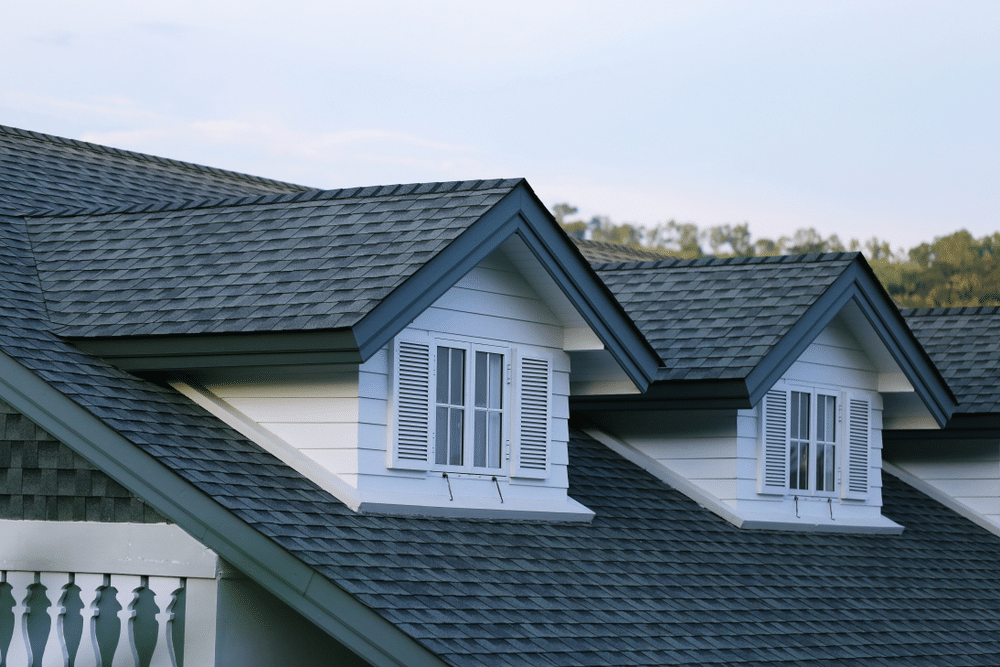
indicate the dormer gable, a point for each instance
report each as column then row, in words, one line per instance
column 776, row 422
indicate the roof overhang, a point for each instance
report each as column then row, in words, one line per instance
column 188, row 353
column 857, row 291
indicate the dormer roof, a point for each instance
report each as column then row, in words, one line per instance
column 726, row 329
column 161, row 286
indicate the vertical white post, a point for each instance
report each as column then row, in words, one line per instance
column 54, row 654
column 19, row 652
column 165, row 590
column 127, row 586
column 88, row 654
column 201, row 602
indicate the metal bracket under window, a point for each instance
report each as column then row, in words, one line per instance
column 796, row 506
column 829, row 501
column 498, row 488
column 450, row 494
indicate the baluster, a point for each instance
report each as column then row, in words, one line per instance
column 54, row 654
column 88, row 654
column 127, row 586
column 165, row 590
column 19, row 651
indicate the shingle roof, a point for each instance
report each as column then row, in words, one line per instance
column 964, row 344
column 44, row 170
column 315, row 260
column 598, row 252
column 718, row 318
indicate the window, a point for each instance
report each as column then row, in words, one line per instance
column 470, row 407
column 461, row 439
column 806, row 448
column 812, row 444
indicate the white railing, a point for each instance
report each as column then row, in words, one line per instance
column 57, row 619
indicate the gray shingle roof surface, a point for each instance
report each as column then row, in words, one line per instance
column 598, row 252
column 40, row 170
column 964, row 343
column 712, row 319
column 316, row 260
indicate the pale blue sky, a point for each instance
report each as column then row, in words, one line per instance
column 859, row 118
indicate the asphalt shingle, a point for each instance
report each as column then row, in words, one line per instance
column 718, row 318
column 964, row 344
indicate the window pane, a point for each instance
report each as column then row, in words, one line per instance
column 826, row 418
column 820, row 465
column 831, row 457
column 455, row 439
column 496, row 381
column 442, row 374
column 457, row 376
column 494, row 440
column 481, row 380
column 479, row 437
column 800, row 416
column 441, row 439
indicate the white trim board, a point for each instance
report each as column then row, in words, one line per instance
column 152, row 549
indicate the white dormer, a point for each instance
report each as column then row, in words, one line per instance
column 464, row 412
column 807, row 456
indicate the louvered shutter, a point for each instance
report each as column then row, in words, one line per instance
column 412, row 429
column 854, row 483
column 531, row 428
column 774, row 443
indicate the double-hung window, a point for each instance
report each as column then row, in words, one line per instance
column 809, row 446
column 467, row 406
column 812, row 443
column 470, row 408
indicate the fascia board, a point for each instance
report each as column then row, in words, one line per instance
column 162, row 353
column 587, row 292
column 856, row 284
column 519, row 212
column 673, row 395
column 329, row 607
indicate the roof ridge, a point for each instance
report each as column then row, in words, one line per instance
column 143, row 157
column 674, row 262
column 950, row 310
column 367, row 192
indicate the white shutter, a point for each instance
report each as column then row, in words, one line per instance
column 854, row 483
column 533, row 378
column 412, row 431
column 774, row 443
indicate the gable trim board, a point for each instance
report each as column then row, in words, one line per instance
column 295, row 583
column 856, row 285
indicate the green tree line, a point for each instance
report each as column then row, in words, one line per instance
column 953, row 270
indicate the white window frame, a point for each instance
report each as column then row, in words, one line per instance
column 468, row 453
column 527, row 412
column 813, row 442
column 853, row 440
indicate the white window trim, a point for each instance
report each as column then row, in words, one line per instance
column 468, row 454
column 853, row 440
column 528, row 387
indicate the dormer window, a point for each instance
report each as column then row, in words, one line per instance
column 806, row 448
column 467, row 406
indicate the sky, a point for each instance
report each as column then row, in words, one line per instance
column 874, row 118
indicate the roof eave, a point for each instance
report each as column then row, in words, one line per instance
column 139, row 354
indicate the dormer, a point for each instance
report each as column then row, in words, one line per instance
column 411, row 349
column 779, row 375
